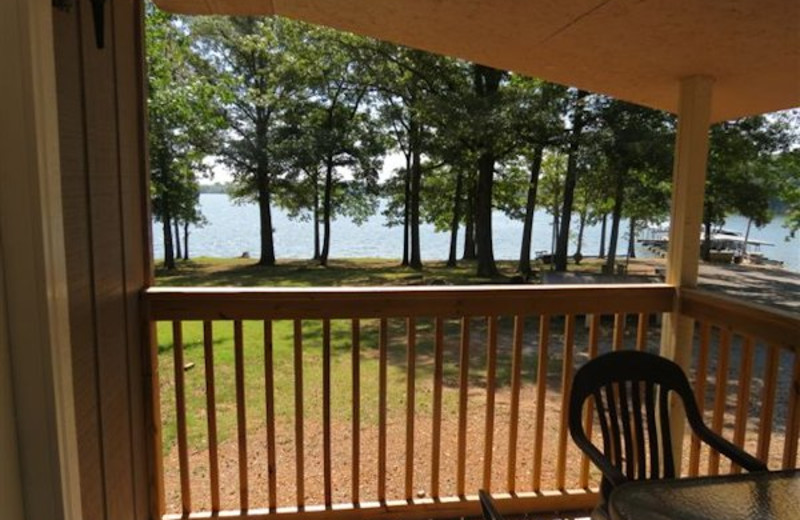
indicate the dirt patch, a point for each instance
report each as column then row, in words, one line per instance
column 341, row 469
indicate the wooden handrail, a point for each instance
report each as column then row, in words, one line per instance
column 733, row 325
column 765, row 323
column 383, row 302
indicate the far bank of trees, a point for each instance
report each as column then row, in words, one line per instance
column 303, row 117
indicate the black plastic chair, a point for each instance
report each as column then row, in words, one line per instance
column 631, row 391
column 487, row 506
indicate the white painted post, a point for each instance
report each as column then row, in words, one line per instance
column 683, row 256
column 35, row 331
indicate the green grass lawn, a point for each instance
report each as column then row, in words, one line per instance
column 364, row 272
column 240, row 272
column 341, row 375
column 299, row 273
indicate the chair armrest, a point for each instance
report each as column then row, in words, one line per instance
column 727, row 448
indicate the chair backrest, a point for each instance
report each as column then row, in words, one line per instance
column 630, row 391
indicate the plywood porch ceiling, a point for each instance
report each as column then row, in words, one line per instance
column 629, row 49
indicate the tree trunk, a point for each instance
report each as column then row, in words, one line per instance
column 415, row 262
column 316, row 218
column 451, row 260
column 469, row 224
column 530, row 208
column 571, row 180
column 185, row 240
column 406, row 208
column 616, row 215
column 632, row 238
column 602, row 253
column 486, row 83
column 554, row 237
column 326, row 212
column 177, row 239
column 581, row 228
column 706, row 249
column 744, row 252
column 169, row 253
column 483, row 216
column 267, row 257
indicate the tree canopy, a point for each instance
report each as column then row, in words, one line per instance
column 303, row 117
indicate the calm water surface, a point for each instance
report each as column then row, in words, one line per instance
column 233, row 229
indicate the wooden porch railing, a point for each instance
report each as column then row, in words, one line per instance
column 402, row 402
column 747, row 379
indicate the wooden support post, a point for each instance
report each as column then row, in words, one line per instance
column 683, row 256
column 40, row 480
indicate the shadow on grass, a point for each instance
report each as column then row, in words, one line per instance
column 209, row 272
column 187, row 346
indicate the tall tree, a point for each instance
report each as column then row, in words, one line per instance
column 414, row 89
column 551, row 186
column 738, row 178
column 470, row 248
column 540, row 110
column 338, row 135
column 183, row 123
column 258, row 64
column 486, row 127
column 578, row 120
column 647, row 196
column 633, row 138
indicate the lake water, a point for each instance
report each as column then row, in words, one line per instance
column 233, row 229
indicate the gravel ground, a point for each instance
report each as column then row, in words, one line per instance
column 766, row 285
column 341, row 456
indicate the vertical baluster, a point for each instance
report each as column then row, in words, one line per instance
column 269, row 389
column 513, row 425
column 411, row 370
column 594, row 334
column 436, row 436
column 356, row 377
column 241, row 415
column 382, row 355
column 767, row 402
column 566, row 380
column 720, row 395
column 298, row 415
column 463, row 389
column 326, row 412
column 743, row 397
column 159, row 502
column 211, row 414
column 491, row 370
column 541, row 395
column 793, row 417
column 700, row 375
column 619, row 331
column 180, row 413
column 641, row 331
